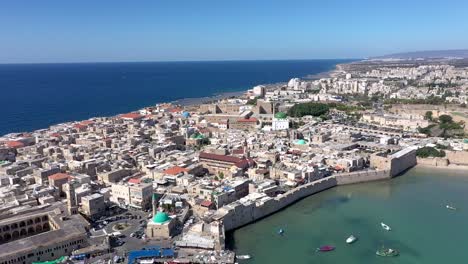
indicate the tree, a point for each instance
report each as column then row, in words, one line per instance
column 445, row 119
column 221, row 175
column 428, row 115
column 425, row 152
column 303, row 109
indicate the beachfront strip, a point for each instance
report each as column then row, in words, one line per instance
column 165, row 183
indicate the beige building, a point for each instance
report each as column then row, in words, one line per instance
column 134, row 195
column 41, row 235
column 93, row 205
column 161, row 226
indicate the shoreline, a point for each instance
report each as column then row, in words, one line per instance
column 191, row 102
column 448, row 167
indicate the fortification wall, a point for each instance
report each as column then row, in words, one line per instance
column 236, row 215
column 246, row 213
column 437, row 162
column 361, row 176
column 457, row 157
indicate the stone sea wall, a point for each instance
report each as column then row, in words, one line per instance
column 457, row 157
column 437, row 162
column 361, row 176
column 242, row 214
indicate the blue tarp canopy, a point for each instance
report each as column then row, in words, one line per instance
column 167, row 253
column 137, row 254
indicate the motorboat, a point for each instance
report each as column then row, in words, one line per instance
column 387, row 252
column 450, row 207
column 243, row 257
column 351, row 239
column 326, row 248
column 386, row 227
column 281, row 231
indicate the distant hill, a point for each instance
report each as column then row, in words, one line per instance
column 430, row 54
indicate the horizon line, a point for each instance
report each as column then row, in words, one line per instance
column 169, row 61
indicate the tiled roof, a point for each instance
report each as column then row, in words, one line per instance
column 225, row 158
column 14, row 144
column 175, row 170
column 131, row 116
column 59, row 176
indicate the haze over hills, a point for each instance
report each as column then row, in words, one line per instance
column 429, row 54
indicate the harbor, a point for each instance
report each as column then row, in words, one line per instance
column 423, row 229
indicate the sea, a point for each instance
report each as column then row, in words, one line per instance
column 35, row 96
column 424, row 231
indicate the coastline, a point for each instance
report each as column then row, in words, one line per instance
column 191, row 102
column 448, row 167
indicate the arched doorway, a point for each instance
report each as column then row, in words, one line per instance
column 23, row 232
column 30, row 230
column 15, row 234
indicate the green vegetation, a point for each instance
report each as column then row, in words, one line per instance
column 426, row 130
column 428, row 115
column 433, row 100
column 440, row 146
column 252, row 101
column 426, row 152
column 313, row 109
column 446, row 122
column 346, row 107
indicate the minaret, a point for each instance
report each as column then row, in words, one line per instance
column 72, row 205
column 154, row 204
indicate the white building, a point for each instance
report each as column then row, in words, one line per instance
column 280, row 121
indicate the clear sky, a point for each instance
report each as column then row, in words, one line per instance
column 152, row 30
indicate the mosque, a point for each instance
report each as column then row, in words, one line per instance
column 161, row 225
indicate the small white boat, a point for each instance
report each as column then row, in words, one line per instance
column 243, row 257
column 386, row 227
column 450, row 207
column 351, row 239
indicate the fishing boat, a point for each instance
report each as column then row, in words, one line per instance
column 243, row 257
column 281, row 231
column 326, row 248
column 387, row 252
column 386, row 227
column 450, row 207
column 351, row 239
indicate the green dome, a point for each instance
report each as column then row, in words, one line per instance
column 160, row 218
column 194, row 135
column 280, row 115
column 301, row 142
column 200, row 136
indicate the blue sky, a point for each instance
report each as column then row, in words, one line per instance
column 80, row 31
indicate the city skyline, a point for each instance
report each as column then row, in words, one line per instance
column 53, row 31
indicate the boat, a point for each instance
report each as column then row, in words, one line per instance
column 281, row 231
column 326, row 248
column 387, row 252
column 351, row 239
column 386, row 227
column 450, row 207
column 243, row 257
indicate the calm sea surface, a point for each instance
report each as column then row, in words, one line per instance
column 34, row 96
column 423, row 230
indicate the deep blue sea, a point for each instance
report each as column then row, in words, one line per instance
column 35, row 96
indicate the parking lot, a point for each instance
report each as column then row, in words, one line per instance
column 132, row 236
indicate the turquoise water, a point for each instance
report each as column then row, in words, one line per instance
column 423, row 230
